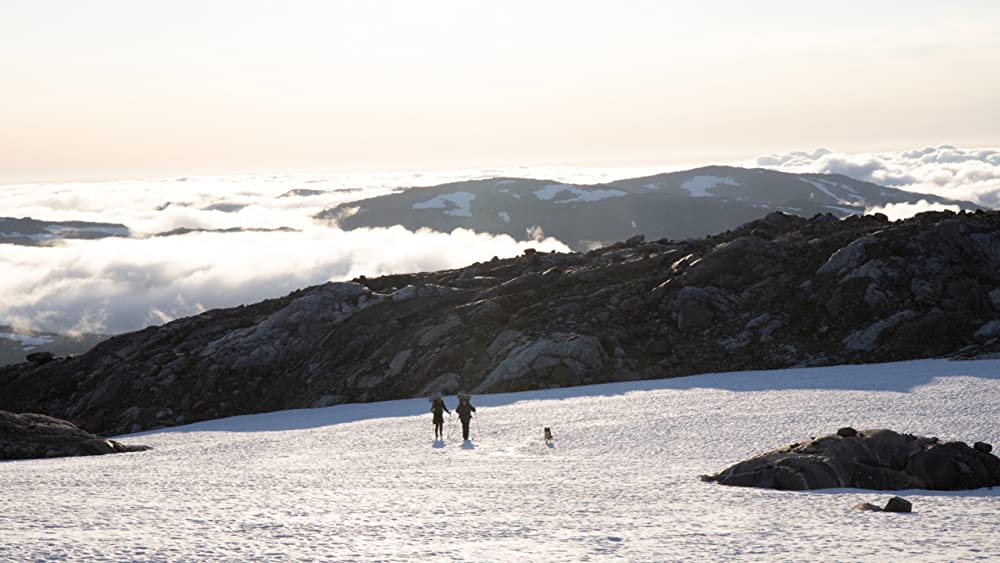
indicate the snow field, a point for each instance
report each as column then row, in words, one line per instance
column 366, row 482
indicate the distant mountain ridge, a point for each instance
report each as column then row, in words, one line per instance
column 16, row 344
column 31, row 232
column 676, row 205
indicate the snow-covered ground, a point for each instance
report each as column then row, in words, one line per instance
column 363, row 482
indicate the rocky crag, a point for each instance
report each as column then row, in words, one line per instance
column 778, row 292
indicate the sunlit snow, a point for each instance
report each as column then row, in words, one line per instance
column 365, row 482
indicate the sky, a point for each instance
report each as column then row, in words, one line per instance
column 123, row 89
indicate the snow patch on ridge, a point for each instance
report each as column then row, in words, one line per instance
column 582, row 195
column 461, row 204
column 699, row 185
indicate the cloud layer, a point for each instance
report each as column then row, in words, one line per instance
column 120, row 284
column 116, row 285
column 945, row 170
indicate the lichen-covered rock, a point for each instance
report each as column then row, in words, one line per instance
column 871, row 459
column 31, row 436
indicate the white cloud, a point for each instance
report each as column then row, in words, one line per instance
column 897, row 211
column 117, row 284
column 121, row 284
column 945, row 170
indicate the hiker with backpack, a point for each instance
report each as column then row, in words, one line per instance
column 438, row 409
column 465, row 410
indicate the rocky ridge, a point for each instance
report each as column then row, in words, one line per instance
column 778, row 292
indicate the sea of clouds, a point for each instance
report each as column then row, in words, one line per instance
column 945, row 170
column 116, row 285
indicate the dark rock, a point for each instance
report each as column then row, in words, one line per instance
column 41, row 358
column 847, row 432
column 873, row 459
column 866, row 506
column 31, row 436
column 898, row 504
column 982, row 447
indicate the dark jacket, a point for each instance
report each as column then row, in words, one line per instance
column 437, row 407
column 465, row 410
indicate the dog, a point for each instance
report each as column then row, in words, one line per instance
column 548, row 435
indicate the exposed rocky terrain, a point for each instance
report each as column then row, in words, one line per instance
column 31, row 436
column 676, row 205
column 871, row 459
column 778, row 292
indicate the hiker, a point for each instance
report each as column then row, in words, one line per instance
column 465, row 410
column 438, row 409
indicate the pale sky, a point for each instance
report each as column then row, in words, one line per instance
column 112, row 89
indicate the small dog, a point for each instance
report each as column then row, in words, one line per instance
column 548, row 435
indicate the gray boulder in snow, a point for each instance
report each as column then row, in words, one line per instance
column 872, row 459
column 30, row 436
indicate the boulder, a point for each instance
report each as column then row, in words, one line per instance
column 982, row 447
column 31, row 436
column 40, row 358
column 898, row 504
column 697, row 307
column 871, row 459
column 895, row 504
column 847, row 432
column 557, row 357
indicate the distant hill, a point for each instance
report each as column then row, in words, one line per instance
column 16, row 344
column 676, row 205
column 32, row 232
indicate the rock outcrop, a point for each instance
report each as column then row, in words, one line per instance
column 895, row 504
column 871, row 459
column 778, row 292
column 31, row 436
